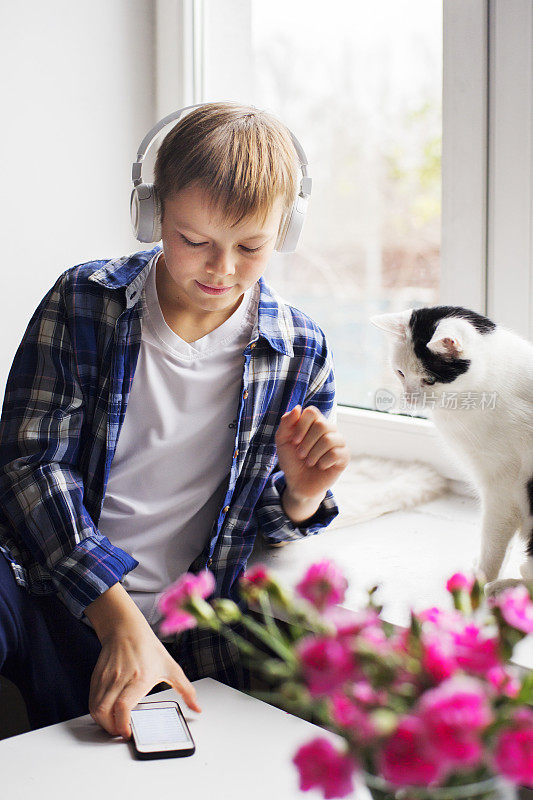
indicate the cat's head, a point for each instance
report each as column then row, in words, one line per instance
column 437, row 346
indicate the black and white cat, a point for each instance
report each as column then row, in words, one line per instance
column 447, row 351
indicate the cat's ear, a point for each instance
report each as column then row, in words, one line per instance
column 395, row 325
column 447, row 340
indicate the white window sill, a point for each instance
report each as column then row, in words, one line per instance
column 396, row 436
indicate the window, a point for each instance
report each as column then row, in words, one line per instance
column 360, row 86
column 306, row 62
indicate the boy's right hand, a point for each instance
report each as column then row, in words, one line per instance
column 132, row 661
column 129, row 665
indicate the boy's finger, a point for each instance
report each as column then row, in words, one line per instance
column 330, row 459
column 102, row 708
column 103, row 691
column 310, row 420
column 328, row 443
column 288, row 421
column 183, row 686
column 321, row 446
column 291, row 417
column 125, row 702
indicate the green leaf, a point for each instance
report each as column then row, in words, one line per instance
column 526, row 692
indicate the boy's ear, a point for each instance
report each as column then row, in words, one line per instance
column 395, row 325
column 448, row 339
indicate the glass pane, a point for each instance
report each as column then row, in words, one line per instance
column 360, row 85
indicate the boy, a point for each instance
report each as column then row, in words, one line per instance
column 214, row 371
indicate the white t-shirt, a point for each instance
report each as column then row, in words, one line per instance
column 171, row 467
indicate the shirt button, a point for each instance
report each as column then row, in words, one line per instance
column 245, row 394
column 225, row 509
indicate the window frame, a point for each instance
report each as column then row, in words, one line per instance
column 510, row 160
column 465, row 164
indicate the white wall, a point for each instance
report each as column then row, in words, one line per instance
column 77, row 89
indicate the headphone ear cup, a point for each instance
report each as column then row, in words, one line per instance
column 291, row 226
column 157, row 216
column 282, row 231
column 145, row 213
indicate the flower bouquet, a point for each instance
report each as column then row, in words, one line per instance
column 432, row 711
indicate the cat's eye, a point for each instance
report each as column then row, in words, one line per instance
column 429, row 381
column 400, row 373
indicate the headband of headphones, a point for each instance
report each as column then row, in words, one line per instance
column 145, row 207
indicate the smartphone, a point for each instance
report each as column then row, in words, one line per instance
column 159, row 730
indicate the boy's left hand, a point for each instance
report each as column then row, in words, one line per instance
column 312, row 454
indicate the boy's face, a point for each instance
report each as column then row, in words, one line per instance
column 210, row 265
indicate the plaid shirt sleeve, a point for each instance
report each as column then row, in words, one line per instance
column 274, row 524
column 41, row 488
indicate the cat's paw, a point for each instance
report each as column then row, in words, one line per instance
column 478, row 573
column 495, row 587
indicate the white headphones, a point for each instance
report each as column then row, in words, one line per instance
column 145, row 207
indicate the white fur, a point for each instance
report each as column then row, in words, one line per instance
column 449, row 338
column 496, row 445
column 371, row 486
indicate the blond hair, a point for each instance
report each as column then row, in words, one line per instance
column 244, row 157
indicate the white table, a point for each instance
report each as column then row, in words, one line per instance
column 243, row 750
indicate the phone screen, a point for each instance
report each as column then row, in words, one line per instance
column 159, row 726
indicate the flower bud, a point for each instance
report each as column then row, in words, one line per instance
column 226, row 610
column 203, row 612
column 476, row 595
column 258, row 580
column 295, row 693
column 384, row 721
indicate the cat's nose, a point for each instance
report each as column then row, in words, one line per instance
column 411, row 387
column 412, row 395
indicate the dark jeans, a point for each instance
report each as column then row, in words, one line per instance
column 46, row 652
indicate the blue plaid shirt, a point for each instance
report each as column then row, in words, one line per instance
column 64, row 406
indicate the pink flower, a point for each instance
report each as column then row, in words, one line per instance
column 438, row 650
column 438, row 656
column 174, row 601
column 444, row 620
column 459, row 583
column 451, row 642
column 176, row 622
column 323, row 585
column 346, row 714
column 259, row 580
column 375, row 637
column 326, row 663
column 504, row 681
column 187, row 586
column 320, row 765
column 474, row 651
column 404, row 760
column 400, row 640
column 517, row 608
column 350, row 623
column 454, row 714
column 365, row 694
column 513, row 754
column 259, row 576
column 432, row 614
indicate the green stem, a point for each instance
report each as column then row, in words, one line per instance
column 271, row 641
column 243, row 644
column 268, row 616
